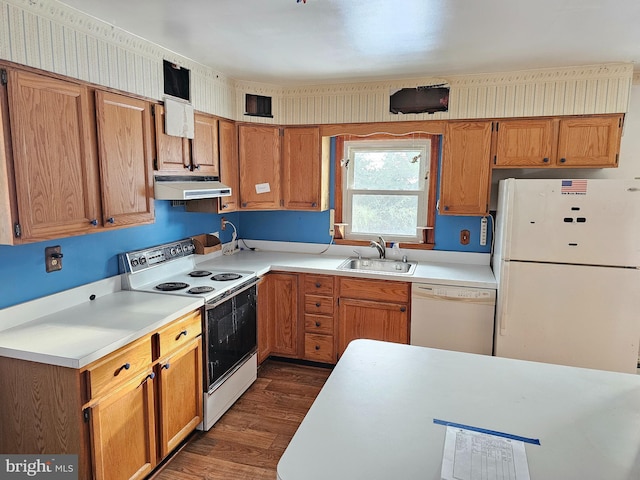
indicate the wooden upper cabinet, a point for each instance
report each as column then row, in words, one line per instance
column 229, row 174
column 590, row 141
column 524, row 143
column 204, row 151
column 305, row 170
column 172, row 153
column 56, row 176
column 466, row 170
column 259, row 166
column 125, row 150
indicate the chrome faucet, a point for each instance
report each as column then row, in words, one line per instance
column 380, row 246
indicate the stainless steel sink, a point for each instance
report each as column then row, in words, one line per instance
column 382, row 265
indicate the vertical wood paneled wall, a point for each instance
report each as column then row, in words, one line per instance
column 48, row 35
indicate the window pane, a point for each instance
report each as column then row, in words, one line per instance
column 386, row 170
column 384, row 214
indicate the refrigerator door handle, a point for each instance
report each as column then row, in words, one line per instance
column 503, row 300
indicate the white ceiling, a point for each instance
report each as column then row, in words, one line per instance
column 328, row 41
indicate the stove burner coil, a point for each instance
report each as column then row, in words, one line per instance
column 171, row 286
column 199, row 273
column 201, row 289
column 225, row 277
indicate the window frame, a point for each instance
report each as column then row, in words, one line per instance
column 428, row 234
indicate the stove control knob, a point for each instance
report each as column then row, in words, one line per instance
column 134, row 262
column 143, row 260
column 173, row 250
column 178, row 248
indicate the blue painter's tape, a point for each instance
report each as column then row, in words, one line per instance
column 533, row 441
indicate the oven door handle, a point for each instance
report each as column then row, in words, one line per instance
column 215, row 303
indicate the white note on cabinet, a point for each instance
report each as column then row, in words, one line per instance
column 470, row 455
column 263, row 188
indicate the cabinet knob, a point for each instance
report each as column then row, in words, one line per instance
column 317, row 304
column 166, row 366
column 187, row 167
column 244, row 204
column 545, row 160
column 151, row 376
column 318, row 284
column 446, row 208
column 94, row 222
column 317, row 324
column 403, row 309
column 183, row 332
column 126, row 366
column 317, row 347
column 196, row 167
column 225, row 205
column 111, row 220
column 314, row 204
column 562, row 160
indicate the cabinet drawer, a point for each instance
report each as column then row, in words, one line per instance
column 379, row 290
column 118, row 367
column 318, row 324
column 178, row 333
column 318, row 284
column 319, row 348
column 318, row 304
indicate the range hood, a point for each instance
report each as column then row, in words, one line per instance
column 188, row 187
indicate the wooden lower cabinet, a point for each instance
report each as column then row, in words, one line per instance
column 372, row 309
column 282, row 312
column 123, row 436
column 179, row 379
column 121, row 414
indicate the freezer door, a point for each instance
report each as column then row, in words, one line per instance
column 590, row 222
column 576, row 315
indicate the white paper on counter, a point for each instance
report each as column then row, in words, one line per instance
column 470, row 455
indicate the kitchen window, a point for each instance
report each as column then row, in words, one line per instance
column 386, row 187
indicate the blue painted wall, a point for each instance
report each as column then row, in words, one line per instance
column 89, row 258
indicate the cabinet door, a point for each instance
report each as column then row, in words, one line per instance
column 264, row 325
column 305, row 174
column 259, row 164
column 180, row 395
column 57, row 179
column 524, row 143
column 229, row 174
column 172, row 153
column 123, row 431
column 204, row 152
column 465, row 177
column 282, row 305
column 385, row 321
column 124, row 142
column 591, row 141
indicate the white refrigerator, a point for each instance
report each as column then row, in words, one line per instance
column 567, row 263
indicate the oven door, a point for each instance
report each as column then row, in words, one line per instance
column 230, row 334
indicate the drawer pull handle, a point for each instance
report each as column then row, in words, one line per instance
column 317, row 304
column 317, row 347
column 126, row 366
column 183, row 332
column 317, row 324
column 151, row 376
column 166, row 366
column 403, row 309
column 111, row 220
column 318, row 284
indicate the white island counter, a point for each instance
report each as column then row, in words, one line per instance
column 374, row 417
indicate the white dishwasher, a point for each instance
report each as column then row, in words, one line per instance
column 453, row 318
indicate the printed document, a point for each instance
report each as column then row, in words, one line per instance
column 470, row 455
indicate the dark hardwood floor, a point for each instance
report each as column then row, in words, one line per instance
column 248, row 441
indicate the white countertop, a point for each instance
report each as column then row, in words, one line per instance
column 444, row 273
column 81, row 334
column 374, row 417
column 68, row 329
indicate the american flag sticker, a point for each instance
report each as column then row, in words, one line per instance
column 574, row 187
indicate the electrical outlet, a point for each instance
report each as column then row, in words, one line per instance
column 465, row 236
column 53, row 258
column 483, row 231
column 223, row 223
